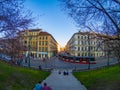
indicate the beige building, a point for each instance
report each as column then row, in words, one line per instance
column 86, row 44
column 38, row 43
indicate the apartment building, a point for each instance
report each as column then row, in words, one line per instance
column 38, row 44
column 86, row 44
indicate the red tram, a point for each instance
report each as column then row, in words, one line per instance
column 78, row 59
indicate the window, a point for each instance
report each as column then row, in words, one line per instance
column 39, row 48
column 81, row 37
column 91, row 48
column 42, row 49
column 82, row 54
column 85, row 42
column 42, row 42
column 25, row 42
column 82, row 48
column 94, row 49
column 46, row 43
column 78, row 48
column 82, row 42
column 40, row 55
column 78, row 54
column 46, row 37
column 46, row 49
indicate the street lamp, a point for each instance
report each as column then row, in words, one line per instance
column 74, row 58
column 88, row 51
column 37, row 46
column 30, row 37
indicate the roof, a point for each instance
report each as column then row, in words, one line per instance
column 44, row 33
column 94, row 33
column 32, row 30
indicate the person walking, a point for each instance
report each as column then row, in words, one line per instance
column 39, row 67
column 59, row 72
column 45, row 87
column 38, row 86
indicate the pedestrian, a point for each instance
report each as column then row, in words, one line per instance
column 38, row 86
column 59, row 72
column 67, row 73
column 51, row 67
column 64, row 73
column 45, row 87
column 26, row 60
column 39, row 67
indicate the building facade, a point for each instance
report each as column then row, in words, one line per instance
column 86, row 44
column 38, row 44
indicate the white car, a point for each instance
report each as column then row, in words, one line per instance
column 7, row 58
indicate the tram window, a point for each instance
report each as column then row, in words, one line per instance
column 92, row 59
column 84, row 59
column 77, row 59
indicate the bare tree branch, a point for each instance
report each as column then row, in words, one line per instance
column 86, row 12
column 13, row 17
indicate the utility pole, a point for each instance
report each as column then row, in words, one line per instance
column 74, row 58
column 30, row 37
column 88, row 50
column 108, row 57
column 37, row 46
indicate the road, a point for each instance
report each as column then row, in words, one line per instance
column 55, row 63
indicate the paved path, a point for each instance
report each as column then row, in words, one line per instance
column 63, row 82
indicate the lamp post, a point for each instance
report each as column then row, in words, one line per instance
column 88, row 51
column 108, row 58
column 37, row 46
column 30, row 37
column 74, row 58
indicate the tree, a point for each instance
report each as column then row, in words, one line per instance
column 97, row 14
column 13, row 17
column 12, row 47
column 116, row 48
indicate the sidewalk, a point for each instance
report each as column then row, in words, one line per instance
column 63, row 82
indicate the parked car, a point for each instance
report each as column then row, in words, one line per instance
column 5, row 57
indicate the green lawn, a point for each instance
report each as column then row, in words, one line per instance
column 19, row 78
column 102, row 79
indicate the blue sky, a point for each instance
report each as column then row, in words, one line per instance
column 51, row 18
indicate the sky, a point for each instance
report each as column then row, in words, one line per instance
column 50, row 17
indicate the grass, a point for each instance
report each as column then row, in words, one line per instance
column 19, row 78
column 102, row 79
